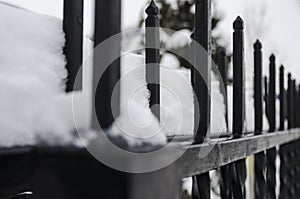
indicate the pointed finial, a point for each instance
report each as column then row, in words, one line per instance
column 272, row 58
column 281, row 68
column 238, row 24
column 290, row 76
column 152, row 9
column 257, row 45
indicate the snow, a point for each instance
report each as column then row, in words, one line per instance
column 35, row 109
column 169, row 60
column 179, row 39
column 136, row 123
column 32, row 69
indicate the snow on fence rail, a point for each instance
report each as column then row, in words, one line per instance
column 69, row 172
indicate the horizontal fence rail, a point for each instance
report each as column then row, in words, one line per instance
column 228, row 151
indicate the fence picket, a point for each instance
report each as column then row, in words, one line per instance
column 298, row 107
column 238, row 78
column 259, row 164
column 225, row 178
column 294, row 103
column 271, row 153
column 281, row 98
column 283, row 151
column 73, row 50
column 239, row 167
column 152, row 57
column 107, row 107
column 290, row 102
column 202, row 85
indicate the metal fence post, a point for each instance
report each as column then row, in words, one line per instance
column 152, row 57
column 271, row 153
column 107, row 24
column 225, row 184
column 298, row 108
column 239, row 167
column 201, row 84
column 289, row 102
column 283, row 148
column 73, row 50
column 258, row 103
column 282, row 98
column 238, row 78
column 266, row 96
column 272, row 94
column 202, row 65
column 294, row 103
column 259, row 164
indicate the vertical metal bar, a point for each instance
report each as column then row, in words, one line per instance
column 225, row 185
column 272, row 94
column 226, row 179
column 289, row 102
column 259, row 164
column 192, row 57
column 238, row 77
column 281, row 97
column 294, row 163
column 266, row 97
column 107, row 24
column 293, row 103
column 202, row 68
column 297, row 167
column 152, row 57
column 239, row 167
column 271, row 153
column 292, row 107
column 298, row 107
column 284, row 148
column 73, row 50
column 201, row 82
column 222, row 65
column 258, row 103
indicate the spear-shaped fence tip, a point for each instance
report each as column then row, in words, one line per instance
column 238, row 24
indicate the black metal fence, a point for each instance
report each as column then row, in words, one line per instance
column 49, row 172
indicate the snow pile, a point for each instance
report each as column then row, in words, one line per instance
column 136, row 123
column 32, row 69
column 218, row 122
